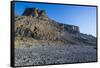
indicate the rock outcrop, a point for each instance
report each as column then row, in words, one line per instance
column 34, row 12
column 70, row 28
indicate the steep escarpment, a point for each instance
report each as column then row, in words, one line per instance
column 35, row 26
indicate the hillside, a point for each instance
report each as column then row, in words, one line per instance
column 40, row 40
column 35, row 29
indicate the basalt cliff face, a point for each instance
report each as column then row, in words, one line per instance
column 35, row 28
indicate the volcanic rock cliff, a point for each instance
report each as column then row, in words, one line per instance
column 34, row 27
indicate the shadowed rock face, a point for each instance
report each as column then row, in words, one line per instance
column 34, row 12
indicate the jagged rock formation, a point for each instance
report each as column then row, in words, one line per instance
column 34, row 12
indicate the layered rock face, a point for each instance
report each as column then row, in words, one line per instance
column 70, row 28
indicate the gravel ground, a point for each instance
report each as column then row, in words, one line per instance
column 43, row 55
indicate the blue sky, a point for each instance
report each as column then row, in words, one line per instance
column 82, row 16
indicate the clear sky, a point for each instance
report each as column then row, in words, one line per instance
column 82, row 16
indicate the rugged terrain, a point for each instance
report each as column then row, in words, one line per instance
column 40, row 41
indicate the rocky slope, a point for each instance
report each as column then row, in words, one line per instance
column 40, row 40
column 29, row 29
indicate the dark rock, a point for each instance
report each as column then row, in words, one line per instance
column 34, row 12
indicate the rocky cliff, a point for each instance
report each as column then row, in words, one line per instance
column 34, row 25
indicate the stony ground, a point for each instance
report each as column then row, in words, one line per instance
column 40, row 41
column 44, row 54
